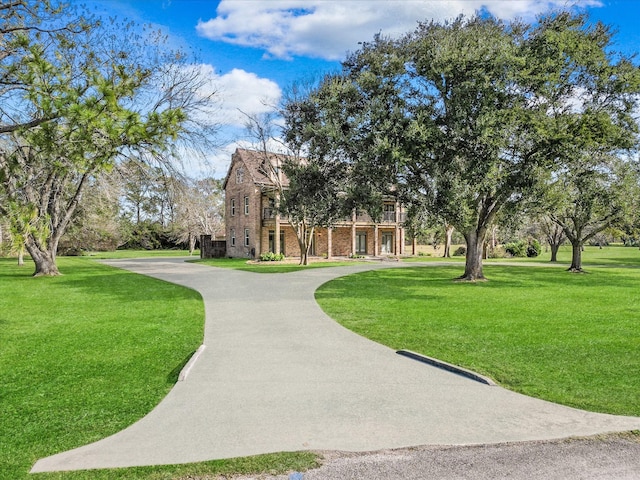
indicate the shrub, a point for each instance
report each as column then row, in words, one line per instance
column 522, row 248
column 516, row 249
column 497, row 252
column 271, row 257
column 460, row 252
column 534, row 248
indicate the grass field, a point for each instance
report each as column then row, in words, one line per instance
column 267, row 267
column 612, row 255
column 142, row 254
column 88, row 353
column 569, row 338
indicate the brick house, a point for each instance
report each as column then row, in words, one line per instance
column 253, row 227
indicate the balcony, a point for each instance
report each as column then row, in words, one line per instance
column 268, row 213
column 393, row 217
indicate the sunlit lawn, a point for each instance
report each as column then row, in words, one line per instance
column 268, row 267
column 568, row 338
column 610, row 255
column 88, row 353
column 142, row 254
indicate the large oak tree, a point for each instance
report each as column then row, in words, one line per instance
column 466, row 118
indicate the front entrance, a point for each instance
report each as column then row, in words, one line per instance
column 361, row 243
column 387, row 243
column 272, row 243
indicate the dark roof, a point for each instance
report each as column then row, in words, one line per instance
column 258, row 166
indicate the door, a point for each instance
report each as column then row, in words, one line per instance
column 361, row 243
column 387, row 243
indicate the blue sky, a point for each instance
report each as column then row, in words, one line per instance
column 254, row 49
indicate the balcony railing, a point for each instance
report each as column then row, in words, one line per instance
column 393, row 217
column 387, row 217
column 268, row 213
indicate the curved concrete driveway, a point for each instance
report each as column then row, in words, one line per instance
column 278, row 375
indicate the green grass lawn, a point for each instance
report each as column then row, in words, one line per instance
column 142, row 254
column 86, row 354
column 611, row 255
column 266, row 267
column 569, row 338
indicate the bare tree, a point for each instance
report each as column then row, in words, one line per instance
column 554, row 235
column 199, row 210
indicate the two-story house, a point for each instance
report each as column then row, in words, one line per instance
column 253, row 226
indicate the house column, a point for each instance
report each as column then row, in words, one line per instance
column 398, row 241
column 329, row 243
column 276, row 235
column 376, row 242
column 353, row 233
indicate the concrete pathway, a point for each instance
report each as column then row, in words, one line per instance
column 276, row 374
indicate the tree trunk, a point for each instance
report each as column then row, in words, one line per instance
column 473, row 263
column 576, row 256
column 447, row 241
column 554, row 251
column 304, row 251
column 44, row 258
column 192, row 243
column 305, row 235
column 21, row 256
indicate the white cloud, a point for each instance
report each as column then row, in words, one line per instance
column 247, row 92
column 329, row 28
column 232, row 93
column 235, row 91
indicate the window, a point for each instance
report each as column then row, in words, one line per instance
column 246, row 237
column 246, row 205
column 233, row 237
column 233, row 207
column 240, row 175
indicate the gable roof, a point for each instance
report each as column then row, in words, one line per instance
column 258, row 166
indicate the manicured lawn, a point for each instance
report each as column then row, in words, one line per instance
column 267, row 267
column 142, row 254
column 88, row 353
column 611, row 255
column 569, row 338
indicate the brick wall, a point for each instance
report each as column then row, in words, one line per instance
column 238, row 187
column 236, row 220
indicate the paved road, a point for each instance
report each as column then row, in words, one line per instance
column 595, row 458
column 276, row 374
